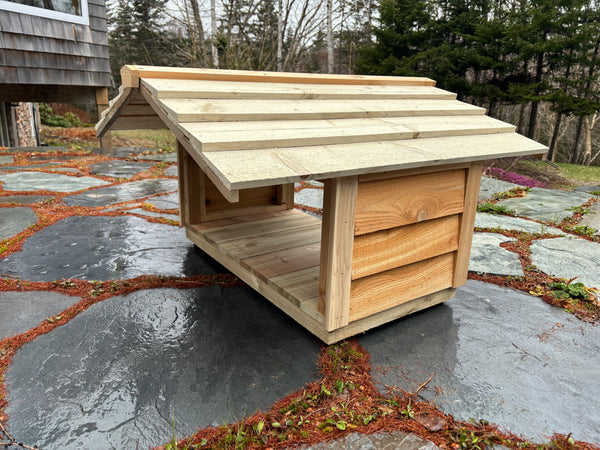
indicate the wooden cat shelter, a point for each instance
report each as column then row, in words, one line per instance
column 399, row 158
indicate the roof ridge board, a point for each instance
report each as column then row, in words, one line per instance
column 131, row 74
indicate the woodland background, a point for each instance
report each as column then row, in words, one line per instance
column 533, row 63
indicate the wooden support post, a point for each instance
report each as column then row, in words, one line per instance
column 337, row 238
column 467, row 221
column 191, row 189
column 102, row 104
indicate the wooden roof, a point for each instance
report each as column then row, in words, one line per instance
column 248, row 129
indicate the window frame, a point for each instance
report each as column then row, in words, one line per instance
column 84, row 19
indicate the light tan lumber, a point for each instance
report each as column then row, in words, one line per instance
column 284, row 133
column 259, row 196
column 112, row 113
column 130, row 76
column 190, row 188
column 102, row 104
column 299, row 286
column 285, row 261
column 245, row 218
column 221, row 110
column 285, row 195
column 272, row 242
column 393, row 202
column 231, row 195
column 387, row 289
column 252, row 168
column 409, row 172
column 151, row 122
column 466, row 225
column 339, row 202
column 388, row 249
column 307, row 314
column 173, row 88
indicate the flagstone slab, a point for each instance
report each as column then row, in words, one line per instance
column 588, row 188
column 492, row 221
column 119, row 169
column 56, row 157
column 309, row 197
column 166, row 201
column 124, row 152
column 41, row 181
column 25, row 199
column 6, row 159
column 592, row 218
column 500, row 355
column 128, row 370
column 171, row 171
column 143, row 212
column 396, row 440
column 106, row 248
column 170, row 157
column 22, row 311
column 123, row 192
column 14, row 220
column 490, row 186
column 13, row 168
column 568, row 257
column 547, row 205
column 488, row 257
column 39, row 149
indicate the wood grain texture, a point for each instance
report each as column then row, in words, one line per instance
column 388, row 249
column 339, row 204
column 283, row 262
column 466, row 225
column 394, row 202
column 300, row 286
column 385, row 290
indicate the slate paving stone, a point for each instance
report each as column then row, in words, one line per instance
column 207, row 355
column 546, row 204
column 376, row 441
column 22, row 311
column 56, row 157
column 123, row 192
column 592, row 218
column 123, row 152
column 170, row 157
column 13, row 168
column 490, row 186
column 143, row 212
column 499, row 355
column 39, row 149
column 488, row 257
column 41, row 181
column 309, row 197
column 171, row 171
column 106, row 248
column 6, row 159
column 25, row 199
column 167, row 201
column 487, row 220
column 64, row 169
column 119, row 169
column 14, row 220
column 568, row 257
column 588, row 188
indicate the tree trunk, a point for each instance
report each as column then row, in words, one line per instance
column 532, row 127
column 280, row 37
column 575, row 155
column 199, row 32
column 521, row 124
column 329, row 36
column 587, row 142
column 213, row 32
column 551, row 156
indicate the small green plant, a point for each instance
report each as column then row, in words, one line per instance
column 466, row 439
column 492, row 208
column 570, row 290
column 578, row 209
column 408, row 412
column 582, row 230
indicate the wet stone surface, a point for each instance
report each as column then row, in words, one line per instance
column 568, row 257
column 119, row 169
column 40, row 149
column 28, row 166
column 6, row 159
column 170, row 157
column 22, row 311
column 546, row 204
column 488, row 257
column 490, row 186
column 592, row 218
column 486, row 220
column 40, row 181
column 105, row 248
column 588, row 188
column 121, row 193
column 168, row 201
column 143, row 212
column 309, row 197
column 499, row 355
column 171, row 171
column 377, row 441
column 123, row 152
column 25, row 199
column 209, row 356
column 15, row 220
column 56, row 157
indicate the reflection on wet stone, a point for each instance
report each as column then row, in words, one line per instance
column 121, row 193
column 15, row 220
column 486, row 356
column 41, row 181
column 135, row 361
column 119, row 169
column 104, row 248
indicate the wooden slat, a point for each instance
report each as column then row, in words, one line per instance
column 201, row 110
column 300, row 286
column 131, row 76
column 152, row 122
column 466, row 225
column 250, row 168
column 282, row 262
column 214, row 200
column 392, row 202
column 385, row 290
column 116, row 106
column 339, row 203
column 172, row 88
column 190, row 188
column 388, row 249
column 272, row 242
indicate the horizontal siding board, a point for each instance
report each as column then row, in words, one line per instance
column 48, row 45
column 15, row 58
column 97, row 10
column 27, row 75
column 98, row 24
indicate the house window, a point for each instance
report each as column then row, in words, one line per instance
column 75, row 11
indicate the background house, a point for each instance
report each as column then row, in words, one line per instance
column 50, row 51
